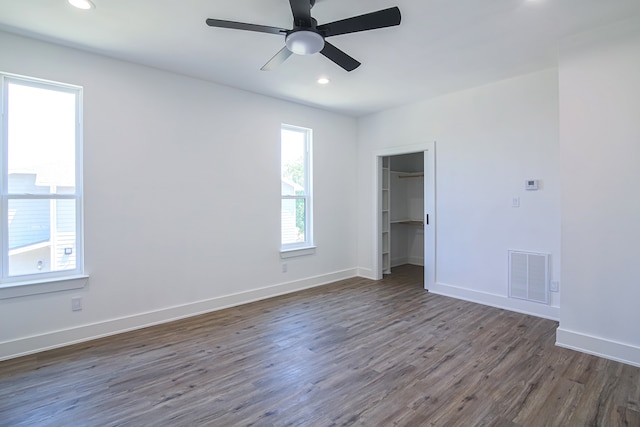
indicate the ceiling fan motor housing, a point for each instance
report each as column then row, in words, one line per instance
column 304, row 42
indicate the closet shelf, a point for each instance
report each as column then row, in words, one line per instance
column 414, row 222
column 416, row 175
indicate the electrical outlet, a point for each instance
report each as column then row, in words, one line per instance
column 76, row 303
column 515, row 202
column 284, row 268
column 554, row 286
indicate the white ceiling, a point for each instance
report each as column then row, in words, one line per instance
column 441, row 45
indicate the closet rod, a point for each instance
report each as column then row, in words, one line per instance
column 410, row 176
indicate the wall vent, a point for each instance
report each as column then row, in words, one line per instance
column 529, row 276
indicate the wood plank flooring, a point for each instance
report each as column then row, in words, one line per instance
column 353, row 353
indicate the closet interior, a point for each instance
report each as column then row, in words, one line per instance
column 402, row 210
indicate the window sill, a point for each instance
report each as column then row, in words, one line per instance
column 292, row 253
column 43, row 286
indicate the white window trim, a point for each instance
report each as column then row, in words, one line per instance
column 12, row 287
column 44, row 286
column 290, row 250
column 292, row 253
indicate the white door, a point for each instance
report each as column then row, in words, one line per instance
column 429, row 217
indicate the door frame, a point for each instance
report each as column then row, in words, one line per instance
column 429, row 149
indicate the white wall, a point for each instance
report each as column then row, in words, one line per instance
column 489, row 140
column 600, row 156
column 182, row 198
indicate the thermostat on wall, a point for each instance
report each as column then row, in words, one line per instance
column 531, row 184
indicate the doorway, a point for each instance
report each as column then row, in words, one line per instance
column 405, row 189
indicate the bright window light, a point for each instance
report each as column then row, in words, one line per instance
column 295, row 157
column 40, row 199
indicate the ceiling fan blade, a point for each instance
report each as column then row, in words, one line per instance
column 301, row 10
column 242, row 26
column 339, row 57
column 277, row 59
column 370, row 21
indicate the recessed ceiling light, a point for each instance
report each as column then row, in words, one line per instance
column 323, row 81
column 82, row 4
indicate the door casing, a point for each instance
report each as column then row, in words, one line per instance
column 429, row 150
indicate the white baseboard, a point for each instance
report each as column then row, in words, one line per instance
column 35, row 344
column 498, row 301
column 396, row 262
column 416, row 260
column 366, row 273
column 600, row 347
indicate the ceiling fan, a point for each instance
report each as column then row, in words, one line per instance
column 307, row 37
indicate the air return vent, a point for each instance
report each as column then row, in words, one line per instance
column 529, row 276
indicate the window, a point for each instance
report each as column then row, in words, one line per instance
column 295, row 155
column 40, row 180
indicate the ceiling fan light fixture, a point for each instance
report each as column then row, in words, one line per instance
column 82, row 4
column 304, row 42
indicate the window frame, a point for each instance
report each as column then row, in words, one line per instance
column 307, row 246
column 51, row 280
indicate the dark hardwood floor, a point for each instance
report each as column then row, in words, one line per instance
column 356, row 352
